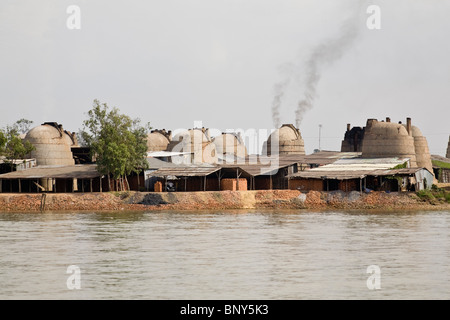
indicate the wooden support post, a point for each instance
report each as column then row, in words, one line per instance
column 82, row 185
column 43, row 198
column 1, row 182
column 90, row 185
column 219, row 177
column 185, row 182
column 138, row 182
column 20, row 186
column 204, row 183
column 101, row 184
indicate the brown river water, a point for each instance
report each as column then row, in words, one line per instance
column 234, row 254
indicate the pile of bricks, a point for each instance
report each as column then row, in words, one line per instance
column 158, row 186
column 231, row 185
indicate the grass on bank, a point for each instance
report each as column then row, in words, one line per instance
column 434, row 195
column 441, row 164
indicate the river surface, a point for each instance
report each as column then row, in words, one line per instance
column 225, row 255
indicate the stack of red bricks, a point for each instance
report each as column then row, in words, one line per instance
column 231, row 184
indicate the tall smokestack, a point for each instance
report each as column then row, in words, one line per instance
column 348, row 126
column 370, row 122
column 408, row 126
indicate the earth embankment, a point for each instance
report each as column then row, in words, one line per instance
column 283, row 199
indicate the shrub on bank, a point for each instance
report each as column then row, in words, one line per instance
column 433, row 195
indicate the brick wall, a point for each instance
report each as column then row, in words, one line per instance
column 349, row 185
column 306, row 184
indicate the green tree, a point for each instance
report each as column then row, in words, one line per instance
column 2, row 141
column 22, row 125
column 12, row 147
column 117, row 142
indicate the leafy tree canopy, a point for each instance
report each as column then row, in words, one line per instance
column 118, row 142
column 12, row 147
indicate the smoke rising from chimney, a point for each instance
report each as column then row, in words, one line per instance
column 280, row 89
column 279, row 93
column 326, row 52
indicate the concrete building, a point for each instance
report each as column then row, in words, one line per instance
column 448, row 149
column 361, row 174
column 16, row 165
column 197, row 142
column 53, row 147
column 380, row 139
column 158, row 140
column 388, row 139
column 423, row 157
column 230, row 144
column 441, row 168
column 285, row 140
column 353, row 139
column 53, row 144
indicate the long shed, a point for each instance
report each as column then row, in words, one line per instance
column 68, row 178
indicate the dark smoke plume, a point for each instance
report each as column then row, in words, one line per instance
column 280, row 89
column 325, row 53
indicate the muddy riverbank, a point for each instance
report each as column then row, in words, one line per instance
column 283, row 199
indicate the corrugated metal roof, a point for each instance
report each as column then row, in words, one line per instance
column 155, row 163
column 353, row 174
column 259, row 168
column 16, row 161
column 353, row 168
column 339, row 175
column 80, row 171
column 263, row 170
column 190, row 171
column 328, row 157
column 163, row 154
column 440, row 158
column 358, row 164
column 403, row 171
column 319, row 158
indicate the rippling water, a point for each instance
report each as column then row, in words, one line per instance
column 225, row 255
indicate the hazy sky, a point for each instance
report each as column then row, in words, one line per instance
column 173, row 62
